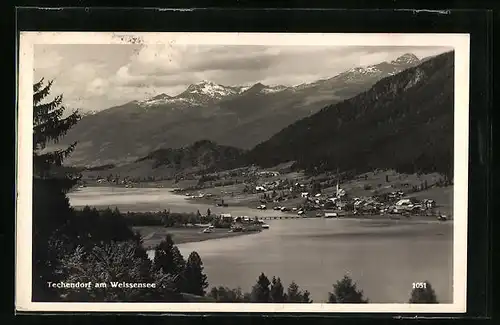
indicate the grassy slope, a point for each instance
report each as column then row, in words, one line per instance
column 363, row 185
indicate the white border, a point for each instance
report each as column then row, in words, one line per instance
column 460, row 42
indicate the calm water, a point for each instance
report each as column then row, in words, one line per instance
column 383, row 256
column 151, row 199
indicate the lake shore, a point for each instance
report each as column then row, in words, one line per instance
column 153, row 235
column 250, row 202
column 192, row 205
column 378, row 250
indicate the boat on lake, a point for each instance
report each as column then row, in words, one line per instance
column 442, row 217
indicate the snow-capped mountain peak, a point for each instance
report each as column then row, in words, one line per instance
column 88, row 113
column 164, row 99
column 206, row 92
column 265, row 89
column 273, row 89
column 209, row 89
column 364, row 70
column 407, row 58
column 241, row 89
column 195, row 94
column 384, row 68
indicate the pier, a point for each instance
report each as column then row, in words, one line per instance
column 281, row 217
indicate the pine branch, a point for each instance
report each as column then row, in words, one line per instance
column 53, row 130
column 38, row 85
column 48, row 125
column 45, row 112
column 41, row 93
column 43, row 162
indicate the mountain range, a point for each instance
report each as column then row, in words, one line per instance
column 239, row 116
column 404, row 122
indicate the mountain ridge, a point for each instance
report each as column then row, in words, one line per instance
column 360, row 132
column 216, row 91
column 403, row 122
column 202, row 156
column 237, row 116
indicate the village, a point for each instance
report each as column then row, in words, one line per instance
column 340, row 205
column 315, row 198
column 379, row 193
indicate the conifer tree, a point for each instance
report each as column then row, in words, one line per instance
column 51, row 209
column 345, row 291
column 49, row 189
column 49, row 126
column 425, row 295
column 277, row 290
column 260, row 291
column 295, row 295
column 195, row 281
column 169, row 259
column 166, row 218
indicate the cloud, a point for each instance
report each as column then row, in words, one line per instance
column 98, row 86
column 47, row 59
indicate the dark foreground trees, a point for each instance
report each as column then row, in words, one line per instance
column 51, row 210
column 346, row 291
column 264, row 291
column 106, row 267
column 188, row 276
column 49, row 126
column 261, row 291
column 225, row 294
column 277, row 293
column 195, row 279
column 168, row 258
column 91, row 246
column 295, row 295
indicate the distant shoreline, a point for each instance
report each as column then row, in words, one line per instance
column 153, row 235
column 311, row 214
column 243, row 203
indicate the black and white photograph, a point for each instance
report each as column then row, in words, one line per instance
column 226, row 172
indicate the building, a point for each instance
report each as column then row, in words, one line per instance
column 403, row 202
column 429, row 203
column 226, row 217
column 331, row 214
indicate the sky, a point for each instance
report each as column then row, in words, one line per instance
column 100, row 76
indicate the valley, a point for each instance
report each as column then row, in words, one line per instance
column 400, row 129
column 237, row 116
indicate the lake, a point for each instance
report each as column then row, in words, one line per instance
column 152, row 199
column 384, row 257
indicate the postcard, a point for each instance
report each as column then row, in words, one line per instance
column 242, row 172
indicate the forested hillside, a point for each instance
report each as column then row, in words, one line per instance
column 404, row 122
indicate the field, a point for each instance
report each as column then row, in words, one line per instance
column 365, row 185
